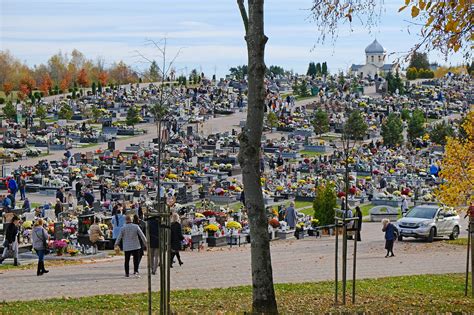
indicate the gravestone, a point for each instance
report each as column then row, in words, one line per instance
column 58, row 231
column 376, row 214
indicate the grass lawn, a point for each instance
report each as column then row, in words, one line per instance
column 49, row 263
column 459, row 241
column 365, row 208
column 310, row 153
column 408, row 294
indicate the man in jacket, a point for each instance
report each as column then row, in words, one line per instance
column 131, row 234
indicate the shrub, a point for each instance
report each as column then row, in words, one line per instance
column 2, row 100
column 325, row 203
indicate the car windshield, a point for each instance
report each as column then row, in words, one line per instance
column 421, row 212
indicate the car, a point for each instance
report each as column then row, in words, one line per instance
column 428, row 222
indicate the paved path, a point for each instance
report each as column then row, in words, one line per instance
column 293, row 261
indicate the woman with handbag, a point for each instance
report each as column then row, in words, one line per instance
column 11, row 241
column 40, row 238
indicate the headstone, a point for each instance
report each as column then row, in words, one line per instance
column 58, row 231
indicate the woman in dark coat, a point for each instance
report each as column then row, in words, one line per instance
column 176, row 238
column 390, row 235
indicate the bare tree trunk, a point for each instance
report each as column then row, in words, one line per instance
column 249, row 158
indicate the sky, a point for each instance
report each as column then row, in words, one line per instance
column 208, row 33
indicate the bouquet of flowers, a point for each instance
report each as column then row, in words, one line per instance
column 211, row 228
column 274, row 223
column 234, row 225
column 59, row 246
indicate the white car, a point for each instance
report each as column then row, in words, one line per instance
column 428, row 222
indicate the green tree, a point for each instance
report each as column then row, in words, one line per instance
column 96, row 113
column 419, row 61
column 154, row 72
column 272, row 120
column 9, row 110
column 65, row 112
column 320, row 122
column 239, row 72
column 133, row 116
column 324, row 68
column 303, row 89
column 412, row 73
column 41, row 112
column 276, row 70
column 392, row 131
column 440, row 131
column 405, row 114
column 319, row 70
column 311, row 69
column 355, row 127
column 94, row 88
column 416, row 127
column 325, row 203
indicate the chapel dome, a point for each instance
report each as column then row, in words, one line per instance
column 375, row 48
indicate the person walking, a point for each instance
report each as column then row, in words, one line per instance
column 118, row 221
column 358, row 214
column 390, row 235
column 154, row 244
column 176, row 238
column 131, row 234
column 40, row 238
column 291, row 216
column 11, row 240
column 13, row 187
column 141, row 224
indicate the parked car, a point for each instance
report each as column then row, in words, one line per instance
column 428, row 222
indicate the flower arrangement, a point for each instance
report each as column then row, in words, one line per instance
column 123, row 184
column 213, row 228
column 234, row 225
column 341, row 194
column 172, row 176
column 314, row 222
column 299, row 226
column 274, row 223
column 59, row 246
column 279, row 188
column 187, row 230
column 27, row 224
column 72, row 251
column 199, row 215
column 208, row 213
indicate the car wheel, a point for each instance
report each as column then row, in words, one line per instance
column 432, row 235
column 400, row 238
column 454, row 235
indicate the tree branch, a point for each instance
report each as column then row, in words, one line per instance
column 244, row 15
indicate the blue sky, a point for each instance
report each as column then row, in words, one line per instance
column 210, row 32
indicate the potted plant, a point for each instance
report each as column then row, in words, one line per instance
column 299, row 230
column 313, row 230
column 59, row 246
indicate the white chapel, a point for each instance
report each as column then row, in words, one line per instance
column 375, row 58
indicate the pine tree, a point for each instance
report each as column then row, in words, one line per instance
column 392, row 131
column 324, row 68
column 93, row 88
column 320, row 122
column 416, row 125
column 9, row 110
column 133, row 116
column 318, row 69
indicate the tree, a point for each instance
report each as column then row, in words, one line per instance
column 311, row 69
column 41, row 112
column 276, row 70
column 457, row 168
column 65, row 112
column 416, row 127
column 272, row 120
column 99, row 87
column 355, row 127
column 324, row 68
column 303, row 89
column 133, row 116
column 154, row 72
column 9, row 110
column 446, row 25
column 7, row 88
column 94, row 89
column 440, row 132
column 46, row 84
column 412, row 73
column 419, row 61
column 82, row 78
column 264, row 300
column 405, row 114
column 324, row 203
column 318, row 69
column 239, row 72
column 320, row 122
column 103, row 76
column 394, row 83
column 392, row 131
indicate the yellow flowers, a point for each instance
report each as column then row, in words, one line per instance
column 27, row 224
column 234, row 225
column 172, row 176
column 123, row 185
column 211, row 228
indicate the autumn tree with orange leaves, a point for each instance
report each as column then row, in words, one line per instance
column 457, row 168
column 46, row 84
column 82, row 78
column 7, row 88
column 103, row 77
